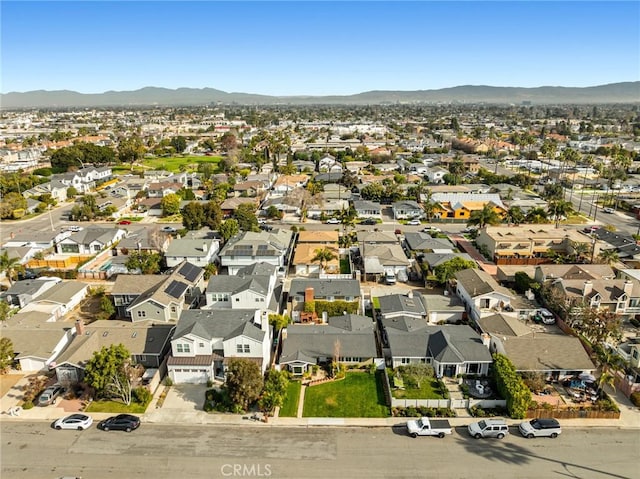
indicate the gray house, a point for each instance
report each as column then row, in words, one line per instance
column 450, row 349
column 407, row 209
column 158, row 297
column 22, row 293
column 349, row 338
column 367, row 209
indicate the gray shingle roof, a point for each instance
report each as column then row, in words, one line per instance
column 401, row 303
column 323, row 288
column 62, row 292
column 476, row 282
column 353, row 333
column 209, row 324
column 547, row 352
column 424, row 242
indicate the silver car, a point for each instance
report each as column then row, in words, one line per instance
column 50, row 395
column 489, row 428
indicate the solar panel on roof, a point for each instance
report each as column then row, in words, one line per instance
column 176, row 289
column 189, row 271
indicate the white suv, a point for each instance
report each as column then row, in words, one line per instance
column 488, row 428
column 540, row 428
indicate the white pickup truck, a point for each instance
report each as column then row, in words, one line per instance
column 429, row 427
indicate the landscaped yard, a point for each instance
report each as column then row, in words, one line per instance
column 173, row 164
column 344, row 266
column 429, row 389
column 116, row 407
column 290, row 406
column 358, row 395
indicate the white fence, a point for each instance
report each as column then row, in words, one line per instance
column 449, row 403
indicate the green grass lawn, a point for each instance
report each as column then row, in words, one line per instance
column 174, row 163
column 358, row 395
column 344, row 266
column 427, row 390
column 116, row 407
column 290, row 406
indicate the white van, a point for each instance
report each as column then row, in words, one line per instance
column 489, row 428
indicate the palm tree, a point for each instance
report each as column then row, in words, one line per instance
column 559, row 209
column 581, row 250
column 609, row 256
column 484, row 217
column 9, row 266
column 515, row 215
column 323, row 255
column 537, row 216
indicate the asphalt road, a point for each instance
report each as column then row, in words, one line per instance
column 34, row 450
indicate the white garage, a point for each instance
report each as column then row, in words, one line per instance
column 191, row 374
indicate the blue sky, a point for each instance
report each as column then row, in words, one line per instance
column 316, row 48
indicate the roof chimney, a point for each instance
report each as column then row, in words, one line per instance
column 628, row 287
column 308, row 295
column 587, row 288
column 79, row 327
column 486, row 339
column 410, row 294
column 204, row 247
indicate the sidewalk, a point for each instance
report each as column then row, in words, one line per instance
column 181, row 409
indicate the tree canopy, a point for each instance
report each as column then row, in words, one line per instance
column 170, row 204
column 244, row 382
column 104, row 366
column 447, row 270
column 144, row 261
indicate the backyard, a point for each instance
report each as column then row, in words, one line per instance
column 290, row 406
column 357, row 395
column 171, row 164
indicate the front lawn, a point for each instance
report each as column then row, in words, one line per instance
column 116, row 407
column 358, row 395
column 427, row 390
column 290, row 406
column 344, row 266
column 174, row 163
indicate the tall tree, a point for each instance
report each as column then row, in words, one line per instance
column 179, row 143
column 193, row 216
column 9, row 265
column 245, row 215
column 447, row 270
column 131, row 149
column 105, row 366
column 609, row 256
column 170, row 204
column 484, row 217
column 559, row 209
column 275, row 391
column 7, row 354
column 229, row 228
column 323, row 255
column 144, row 261
column 244, row 382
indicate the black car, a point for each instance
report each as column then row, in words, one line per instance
column 121, row 422
column 369, row 221
column 264, row 227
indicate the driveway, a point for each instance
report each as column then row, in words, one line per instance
column 187, row 397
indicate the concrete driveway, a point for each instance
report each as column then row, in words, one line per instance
column 187, row 397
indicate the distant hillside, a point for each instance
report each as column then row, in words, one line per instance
column 628, row 92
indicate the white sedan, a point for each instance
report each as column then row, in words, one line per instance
column 414, row 223
column 75, row 421
column 333, row 221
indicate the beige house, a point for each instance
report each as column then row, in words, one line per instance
column 530, row 244
column 306, row 266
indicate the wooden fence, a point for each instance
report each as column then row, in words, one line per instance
column 61, row 263
column 572, row 414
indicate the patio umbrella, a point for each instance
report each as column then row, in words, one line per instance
column 590, row 378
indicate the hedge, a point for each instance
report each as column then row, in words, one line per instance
column 511, row 387
column 336, row 308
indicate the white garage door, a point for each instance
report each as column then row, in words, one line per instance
column 191, row 375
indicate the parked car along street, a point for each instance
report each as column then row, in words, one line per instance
column 489, row 428
column 121, row 422
column 540, row 428
column 79, row 422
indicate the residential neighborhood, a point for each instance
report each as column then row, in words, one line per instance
column 419, row 274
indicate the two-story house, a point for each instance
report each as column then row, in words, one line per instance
column 253, row 287
column 481, row 294
column 307, row 294
column 158, row 297
column 620, row 296
column 249, row 247
column 205, row 340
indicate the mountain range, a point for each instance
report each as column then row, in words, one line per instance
column 625, row 92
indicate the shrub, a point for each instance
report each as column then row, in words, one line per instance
column 168, row 381
column 141, row 395
column 27, row 405
column 511, row 387
column 335, row 308
column 635, row 399
column 218, row 400
column 209, row 383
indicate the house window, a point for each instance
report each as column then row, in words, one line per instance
column 238, row 348
column 118, row 301
column 143, row 358
column 237, row 300
column 183, row 348
column 174, row 309
column 485, row 303
column 142, row 314
column 247, row 348
column 201, row 345
column 405, row 361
